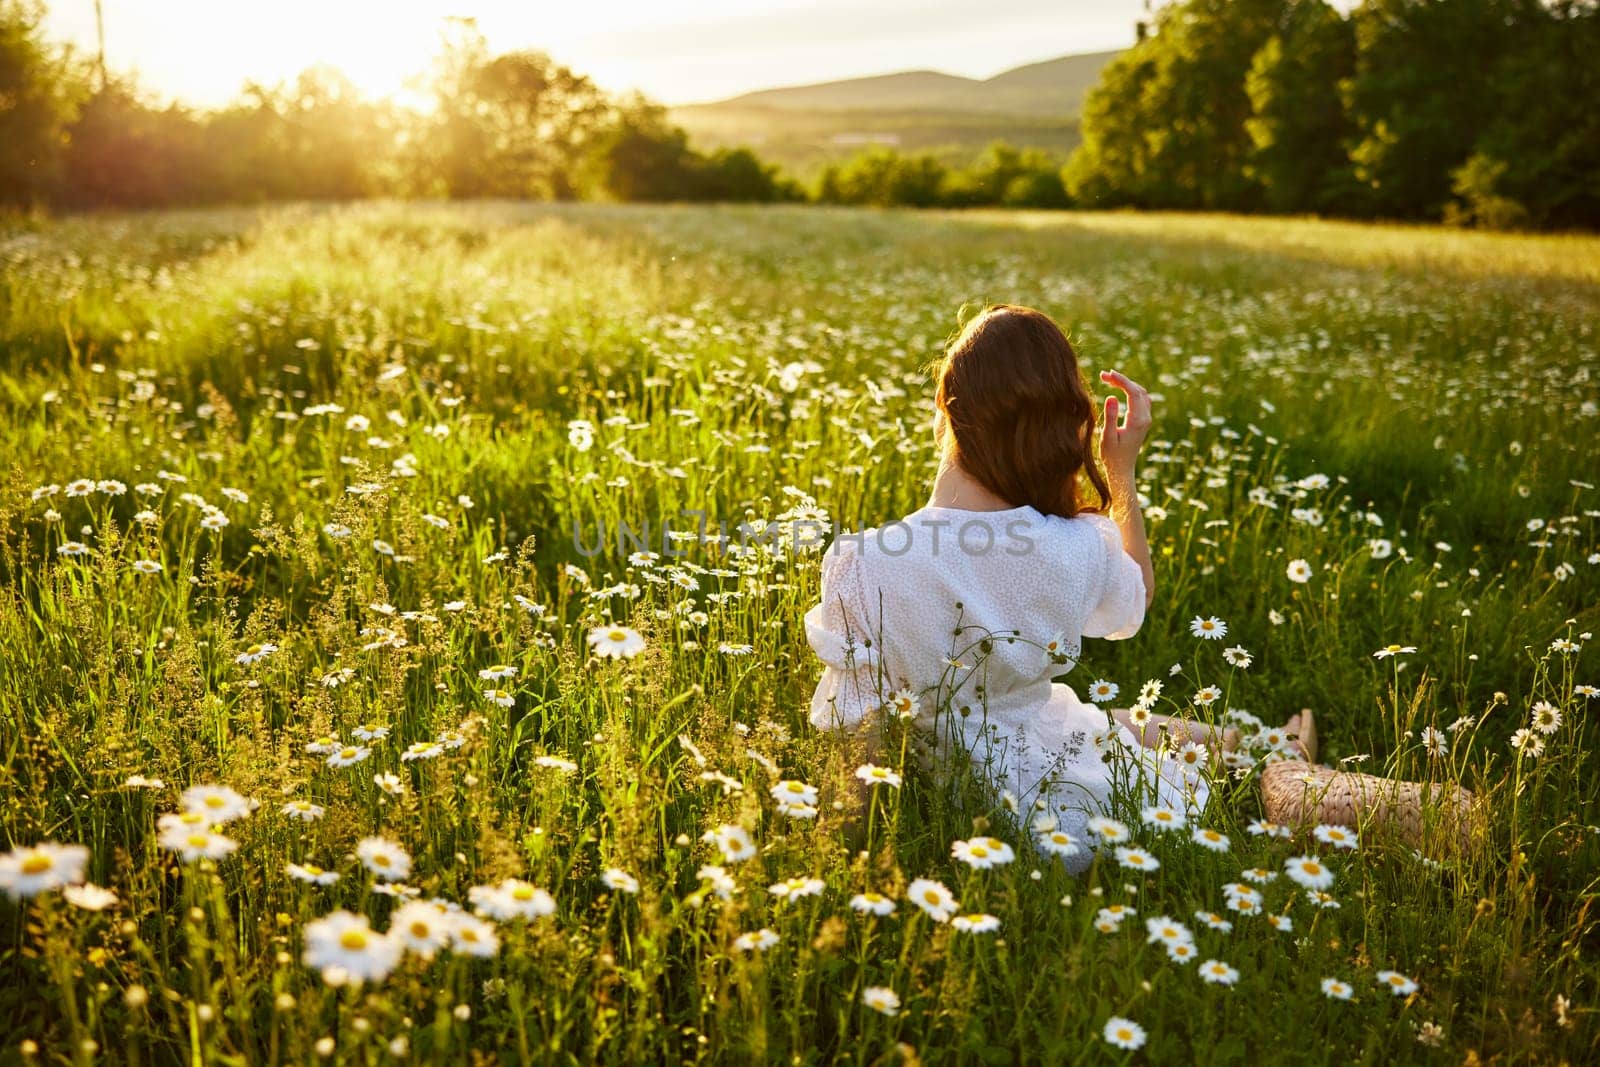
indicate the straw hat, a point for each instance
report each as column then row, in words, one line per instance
column 1302, row 794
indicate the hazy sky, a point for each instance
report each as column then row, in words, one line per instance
column 201, row 51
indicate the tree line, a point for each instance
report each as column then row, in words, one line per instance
column 1480, row 112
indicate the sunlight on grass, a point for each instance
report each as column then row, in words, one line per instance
column 373, row 691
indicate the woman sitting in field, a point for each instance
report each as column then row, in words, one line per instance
column 959, row 616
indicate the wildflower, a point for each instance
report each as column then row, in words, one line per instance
column 881, row 999
column 1546, row 717
column 255, row 653
column 139, row 781
column 1308, row 872
column 620, row 880
column 1434, row 742
column 616, row 642
column 370, row 732
column 976, row 923
column 734, row 842
column 1211, row 839
column 1162, row 817
column 1319, row 899
column 1380, row 547
column 322, row 746
column 759, row 941
column 146, row 566
column 982, row 852
column 310, row 872
column 1207, row 695
column 196, row 842
column 872, row 904
column 1150, row 691
column 1299, row 571
column 1527, row 742
column 1123, row 1033
column 389, row 783
column 1396, row 983
column 1393, row 650
column 420, row 927
column 1181, row 951
column 27, row 872
column 1192, row 756
column 1212, row 629
column 795, row 888
column 790, row 791
column 345, row 945
column 218, row 803
column 1237, row 656
column 1218, row 973
column 797, row 811
column 498, row 672
column 1275, row 617
column 1336, row 835
column 303, row 810
column 73, row 548
column 872, row 774
column 499, row 697
column 473, row 936
column 1058, row 843
column 348, row 756
column 1281, row 923
column 1334, row 989
column 1213, row 921
column 1107, row 830
column 555, row 763
column 1266, row 828
column 1430, row 1034
column 722, row 883
column 1102, row 691
column 1165, row 931
column 1136, row 859
column 933, row 898
column 89, row 897
column 422, row 750
column 902, row 704
column 384, row 858
column 511, row 899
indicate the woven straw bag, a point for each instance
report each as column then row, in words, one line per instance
column 1300, row 794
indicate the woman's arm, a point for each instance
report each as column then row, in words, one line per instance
column 1119, row 451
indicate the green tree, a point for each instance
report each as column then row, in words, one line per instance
column 1298, row 126
column 1165, row 127
column 38, row 90
column 1537, row 159
column 1423, row 87
column 517, row 124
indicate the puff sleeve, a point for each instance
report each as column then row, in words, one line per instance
column 838, row 632
column 1116, row 600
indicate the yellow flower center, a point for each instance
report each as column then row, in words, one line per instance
column 617, row 635
column 354, row 940
column 199, row 840
column 522, row 892
column 420, row 929
column 37, row 863
column 347, row 753
column 931, row 897
column 979, row 851
column 215, row 802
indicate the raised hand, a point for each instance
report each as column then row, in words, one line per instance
column 1120, row 443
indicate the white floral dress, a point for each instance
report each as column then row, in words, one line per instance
column 959, row 620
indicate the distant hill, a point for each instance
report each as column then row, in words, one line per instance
column 802, row 126
column 1052, row 88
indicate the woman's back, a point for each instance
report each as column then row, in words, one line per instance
column 966, row 609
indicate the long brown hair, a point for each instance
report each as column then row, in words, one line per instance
column 1019, row 410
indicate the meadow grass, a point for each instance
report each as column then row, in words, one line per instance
column 283, row 484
